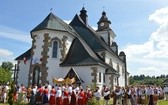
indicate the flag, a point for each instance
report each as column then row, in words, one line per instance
column 25, row 60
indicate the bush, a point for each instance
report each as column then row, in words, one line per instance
column 92, row 101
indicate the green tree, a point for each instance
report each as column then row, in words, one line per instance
column 5, row 75
column 7, row 65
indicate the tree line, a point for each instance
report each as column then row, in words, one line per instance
column 147, row 80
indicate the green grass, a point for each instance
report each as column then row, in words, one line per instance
column 162, row 102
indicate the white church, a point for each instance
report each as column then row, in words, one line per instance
column 74, row 50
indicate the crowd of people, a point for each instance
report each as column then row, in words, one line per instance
column 77, row 95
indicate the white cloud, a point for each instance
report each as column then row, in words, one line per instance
column 67, row 21
column 5, row 53
column 160, row 16
column 151, row 57
column 151, row 71
column 15, row 34
column 95, row 28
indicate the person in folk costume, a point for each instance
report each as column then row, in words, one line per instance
column 45, row 95
column 70, row 88
column 39, row 95
column 133, row 96
column 118, row 93
column 103, row 89
column 138, row 95
column 124, row 97
column 107, row 96
column 114, row 96
column 81, row 97
column 52, row 100
column 85, row 98
column 28, row 93
column 97, row 94
column 73, row 98
column 155, row 96
column 143, row 96
column 102, row 92
column 165, row 90
column 89, row 94
column 149, row 93
column 65, row 97
column 160, row 92
column 127, row 96
column 15, row 96
column 59, row 96
column 32, row 99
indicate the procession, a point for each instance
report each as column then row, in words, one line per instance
column 68, row 94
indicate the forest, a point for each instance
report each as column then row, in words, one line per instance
column 147, row 80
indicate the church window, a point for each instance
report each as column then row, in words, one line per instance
column 36, row 75
column 55, row 49
column 123, row 71
column 104, row 78
column 115, row 80
column 118, row 68
column 99, row 77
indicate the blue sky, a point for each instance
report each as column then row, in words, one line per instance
column 141, row 27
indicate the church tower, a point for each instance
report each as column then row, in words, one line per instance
column 104, row 29
column 84, row 16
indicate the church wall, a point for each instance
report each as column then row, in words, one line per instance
column 23, row 72
column 65, row 40
column 38, row 43
column 103, row 34
column 115, row 63
column 122, row 77
column 51, row 64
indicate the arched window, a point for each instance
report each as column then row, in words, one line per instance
column 54, row 50
column 36, row 75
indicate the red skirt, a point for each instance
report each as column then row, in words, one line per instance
column 80, row 102
column 52, row 100
column 58, row 101
column 65, row 101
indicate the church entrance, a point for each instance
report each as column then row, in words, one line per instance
column 36, row 75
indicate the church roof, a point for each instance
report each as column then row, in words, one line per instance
column 111, row 71
column 80, row 54
column 24, row 55
column 89, row 36
column 53, row 22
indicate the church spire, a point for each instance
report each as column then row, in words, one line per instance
column 103, row 23
column 83, row 15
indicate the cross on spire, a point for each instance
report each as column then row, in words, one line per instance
column 51, row 9
column 103, row 8
column 83, row 4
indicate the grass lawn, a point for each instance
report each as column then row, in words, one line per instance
column 162, row 102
